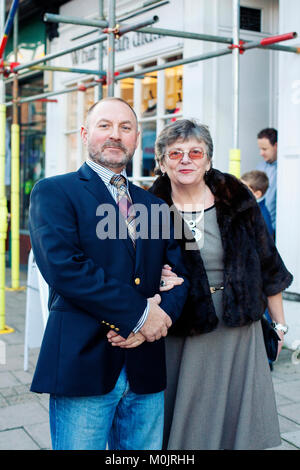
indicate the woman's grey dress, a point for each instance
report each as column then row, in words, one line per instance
column 220, row 393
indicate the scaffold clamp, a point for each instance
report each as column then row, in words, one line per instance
column 238, row 46
column 103, row 79
column 7, row 67
column 115, row 31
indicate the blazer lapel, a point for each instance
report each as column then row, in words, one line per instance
column 94, row 184
column 138, row 197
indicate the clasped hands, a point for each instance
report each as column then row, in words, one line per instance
column 157, row 323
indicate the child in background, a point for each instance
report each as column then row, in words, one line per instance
column 258, row 183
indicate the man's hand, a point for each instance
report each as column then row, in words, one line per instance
column 157, row 322
column 155, row 326
column 133, row 340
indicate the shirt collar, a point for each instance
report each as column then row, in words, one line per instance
column 105, row 173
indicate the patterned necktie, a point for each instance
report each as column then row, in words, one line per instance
column 125, row 204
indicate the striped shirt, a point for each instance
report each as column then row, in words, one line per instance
column 106, row 174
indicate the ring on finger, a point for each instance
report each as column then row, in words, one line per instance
column 162, row 283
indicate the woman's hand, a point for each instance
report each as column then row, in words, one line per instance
column 169, row 279
column 275, row 309
column 134, row 340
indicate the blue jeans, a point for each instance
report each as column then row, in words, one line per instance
column 121, row 419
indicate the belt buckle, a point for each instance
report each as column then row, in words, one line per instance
column 214, row 289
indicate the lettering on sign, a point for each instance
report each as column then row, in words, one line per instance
column 125, row 43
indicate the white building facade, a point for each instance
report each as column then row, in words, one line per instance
column 269, row 94
column 202, row 90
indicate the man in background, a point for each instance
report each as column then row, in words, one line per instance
column 267, row 143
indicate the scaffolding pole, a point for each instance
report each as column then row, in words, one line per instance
column 100, row 51
column 110, row 80
column 54, row 68
column 101, row 38
column 48, row 94
column 15, row 175
column 55, row 55
column 115, row 28
column 234, row 152
column 215, row 38
column 3, row 202
column 53, row 18
column 127, row 16
column 141, row 73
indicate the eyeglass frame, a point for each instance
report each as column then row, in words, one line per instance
column 184, row 152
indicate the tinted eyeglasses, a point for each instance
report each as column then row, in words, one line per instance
column 194, row 154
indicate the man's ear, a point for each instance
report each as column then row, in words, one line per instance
column 258, row 194
column 138, row 135
column 84, row 134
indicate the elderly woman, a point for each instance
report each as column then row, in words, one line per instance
column 219, row 393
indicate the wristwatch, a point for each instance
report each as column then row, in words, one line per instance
column 280, row 327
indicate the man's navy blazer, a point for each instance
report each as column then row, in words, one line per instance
column 96, row 285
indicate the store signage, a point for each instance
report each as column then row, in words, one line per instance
column 125, row 43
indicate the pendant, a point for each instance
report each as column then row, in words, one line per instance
column 191, row 224
column 196, row 233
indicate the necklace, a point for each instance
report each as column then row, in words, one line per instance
column 197, row 233
column 192, row 223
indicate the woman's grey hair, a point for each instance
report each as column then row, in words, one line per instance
column 182, row 129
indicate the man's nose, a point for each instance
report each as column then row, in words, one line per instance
column 115, row 132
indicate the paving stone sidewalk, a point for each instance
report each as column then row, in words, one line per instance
column 24, row 415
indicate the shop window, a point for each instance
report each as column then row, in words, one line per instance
column 90, row 98
column 127, row 87
column 32, row 120
column 72, row 111
column 148, row 120
column 72, row 150
column 126, row 92
column 250, row 19
column 148, row 131
column 72, row 130
column 173, row 89
column 149, row 93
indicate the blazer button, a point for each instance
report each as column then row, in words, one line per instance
column 117, row 329
column 137, row 281
column 112, row 326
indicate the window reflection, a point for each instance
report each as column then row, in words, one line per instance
column 173, row 89
column 148, row 141
column 72, row 110
column 127, row 86
column 149, row 93
column 72, row 151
